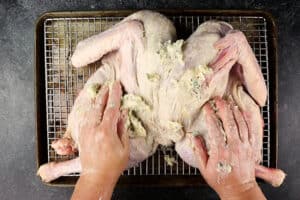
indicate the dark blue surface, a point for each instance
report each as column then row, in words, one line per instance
column 17, row 122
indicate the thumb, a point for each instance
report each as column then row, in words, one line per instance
column 201, row 153
column 122, row 130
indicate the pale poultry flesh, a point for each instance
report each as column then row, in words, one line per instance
column 166, row 83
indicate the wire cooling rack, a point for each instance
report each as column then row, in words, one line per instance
column 63, row 82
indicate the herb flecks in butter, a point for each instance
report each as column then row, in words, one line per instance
column 93, row 89
column 213, row 105
column 192, row 80
column 135, row 102
column 153, row 77
column 175, row 126
column 171, row 54
column 136, row 106
column 224, row 168
column 135, row 126
column 170, row 160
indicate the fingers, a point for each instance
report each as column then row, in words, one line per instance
column 122, row 130
column 101, row 100
column 252, row 133
column 226, row 115
column 241, row 123
column 271, row 175
column 216, row 137
column 201, row 152
column 112, row 111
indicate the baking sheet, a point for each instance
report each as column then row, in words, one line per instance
column 62, row 82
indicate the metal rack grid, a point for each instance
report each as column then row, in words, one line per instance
column 63, row 82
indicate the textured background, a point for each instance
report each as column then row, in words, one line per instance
column 17, row 121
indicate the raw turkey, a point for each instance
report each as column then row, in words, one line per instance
column 129, row 53
column 166, row 83
column 232, row 68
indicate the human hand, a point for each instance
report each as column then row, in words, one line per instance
column 104, row 146
column 230, row 166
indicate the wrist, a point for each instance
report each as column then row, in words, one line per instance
column 249, row 190
column 96, row 177
column 94, row 186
